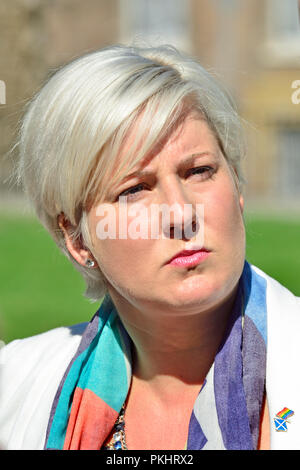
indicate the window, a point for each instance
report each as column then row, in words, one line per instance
column 283, row 31
column 155, row 21
column 288, row 164
column 282, row 19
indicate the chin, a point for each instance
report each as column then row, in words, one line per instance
column 190, row 293
column 200, row 290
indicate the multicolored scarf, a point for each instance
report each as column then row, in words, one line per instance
column 226, row 414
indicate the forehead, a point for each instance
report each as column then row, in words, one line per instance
column 193, row 132
column 190, row 136
column 187, row 136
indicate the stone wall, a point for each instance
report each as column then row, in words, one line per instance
column 36, row 36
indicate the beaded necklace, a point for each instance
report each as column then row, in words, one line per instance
column 118, row 441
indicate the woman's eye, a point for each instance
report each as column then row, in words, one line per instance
column 131, row 192
column 203, row 171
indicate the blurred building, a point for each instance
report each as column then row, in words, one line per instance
column 253, row 46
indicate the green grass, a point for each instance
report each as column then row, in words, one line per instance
column 40, row 289
column 273, row 245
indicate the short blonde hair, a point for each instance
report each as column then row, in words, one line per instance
column 75, row 126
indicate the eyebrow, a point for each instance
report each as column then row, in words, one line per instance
column 184, row 164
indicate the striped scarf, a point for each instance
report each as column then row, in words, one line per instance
column 226, row 413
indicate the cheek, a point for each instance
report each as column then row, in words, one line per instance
column 124, row 260
column 224, row 214
column 127, row 265
column 122, row 253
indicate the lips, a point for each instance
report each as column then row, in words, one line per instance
column 188, row 258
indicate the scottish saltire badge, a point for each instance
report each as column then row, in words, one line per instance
column 281, row 419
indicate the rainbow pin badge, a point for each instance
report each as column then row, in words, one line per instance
column 281, row 419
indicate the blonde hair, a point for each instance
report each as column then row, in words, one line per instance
column 75, row 126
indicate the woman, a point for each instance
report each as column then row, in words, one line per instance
column 132, row 158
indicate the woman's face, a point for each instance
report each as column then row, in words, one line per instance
column 189, row 171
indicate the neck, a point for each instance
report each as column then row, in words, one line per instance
column 174, row 351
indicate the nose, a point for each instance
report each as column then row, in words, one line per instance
column 178, row 214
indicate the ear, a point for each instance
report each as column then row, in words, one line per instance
column 242, row 203
column 75, row 247
column 236, row 182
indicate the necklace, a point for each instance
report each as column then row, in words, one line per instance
column 117, row 442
